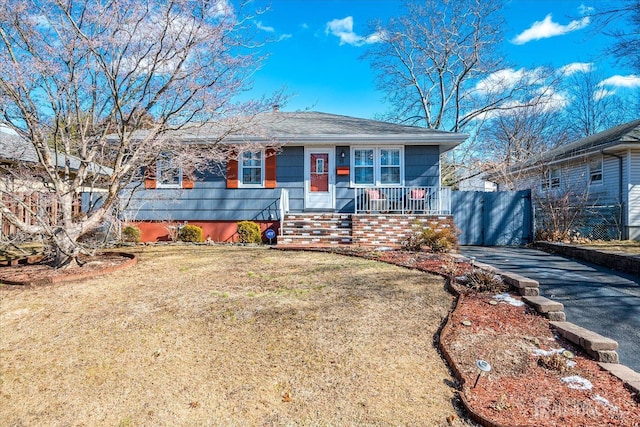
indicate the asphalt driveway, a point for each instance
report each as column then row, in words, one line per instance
column 602, row 300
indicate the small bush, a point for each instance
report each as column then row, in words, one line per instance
column 442, row 240
column 131, row 233
column 554, row 362
column 481, row 280
column 249, row 232
column 190, row 233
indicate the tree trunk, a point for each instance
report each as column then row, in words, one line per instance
column 65, row 250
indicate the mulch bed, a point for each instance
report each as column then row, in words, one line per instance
column 41, row 274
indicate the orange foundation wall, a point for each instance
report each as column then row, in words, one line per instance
column 217, row 231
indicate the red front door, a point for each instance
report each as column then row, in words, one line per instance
column 319, row 178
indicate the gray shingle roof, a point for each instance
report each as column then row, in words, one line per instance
column 312, row 126
column 317, row 123
column 16, row 149
column 628, row 133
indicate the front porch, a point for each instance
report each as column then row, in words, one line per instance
column 380, row 216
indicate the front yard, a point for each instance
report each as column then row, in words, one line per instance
column 228, row 336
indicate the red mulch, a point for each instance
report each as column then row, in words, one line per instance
column 40, row 274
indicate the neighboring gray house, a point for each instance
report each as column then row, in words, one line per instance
column 23, row 192
column 327, row 164
column 602, row 171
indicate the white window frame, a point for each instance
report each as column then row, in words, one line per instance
column 596, row 172
column 377, row 166
column 551, row 179
column 241, row 167
column 167, row 158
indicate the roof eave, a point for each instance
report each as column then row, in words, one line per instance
column 450, row 140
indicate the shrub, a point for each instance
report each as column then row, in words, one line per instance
column 441, row 240
column 481, row 280
column 131, row 233
column 190, row 233
column 249, row 232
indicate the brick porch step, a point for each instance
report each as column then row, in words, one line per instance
column 308, row 229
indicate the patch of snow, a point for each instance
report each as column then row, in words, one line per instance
column 383, row 248
column 604, row 401
column 576, row 382
column 571, row 363
column 509, row 299
column 541, row 352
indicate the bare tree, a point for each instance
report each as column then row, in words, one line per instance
column 96, row 88
column 592, row 108
column 520, row 136
column 626, row 39
column 440, row 66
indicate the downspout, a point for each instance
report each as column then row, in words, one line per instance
column 620, row 191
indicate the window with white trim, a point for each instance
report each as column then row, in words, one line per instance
column 595, row 171
column 168, row 172
column 251, row 165
column 377, row 166
column 551, row 179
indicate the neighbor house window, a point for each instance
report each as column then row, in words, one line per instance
column 168, row 173
column 595, row 171
column 551, row 179
column 377, row 166
column 252, row 168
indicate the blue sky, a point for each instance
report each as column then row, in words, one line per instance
column 317, row 57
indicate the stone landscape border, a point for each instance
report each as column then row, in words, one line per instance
column 600, row 348
column 132, row 259
column 618, row 261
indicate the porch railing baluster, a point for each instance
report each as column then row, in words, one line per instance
column 403, row 200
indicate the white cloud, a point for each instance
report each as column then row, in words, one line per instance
column 547, row 28
column 506, row 79
column 552, row 100
column 601, row 92
column 576, row 67
column 585, row 10
column 630, row 81
column 263, row 27
column 343, row 29
column 285, row 37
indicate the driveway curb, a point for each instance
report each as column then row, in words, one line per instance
column 600, row 348
column 626, row 263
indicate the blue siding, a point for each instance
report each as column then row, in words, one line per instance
column 421, row 165
column 210, row 200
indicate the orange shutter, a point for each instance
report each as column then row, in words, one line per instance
column 232, row 172
column 270, row 168
column 150, row 177
column 187, row 182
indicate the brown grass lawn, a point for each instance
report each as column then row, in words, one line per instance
column 630, row 247
column 228, row 336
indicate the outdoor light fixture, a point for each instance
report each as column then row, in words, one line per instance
column 483, row 368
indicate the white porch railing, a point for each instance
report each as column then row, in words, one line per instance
column 403, row 200
column 284, row 206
